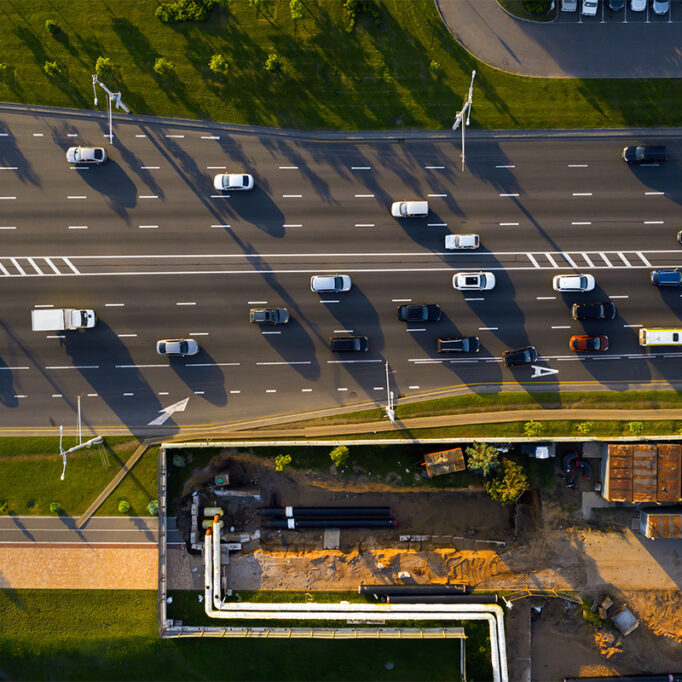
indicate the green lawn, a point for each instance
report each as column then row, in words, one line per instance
column 372, row 78
column 99, row 635
column 30, row 470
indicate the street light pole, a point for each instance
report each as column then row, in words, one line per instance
column 390, row 411
column 114, row 97
column 466, row 109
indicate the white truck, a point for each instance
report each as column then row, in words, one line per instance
column 61, row 319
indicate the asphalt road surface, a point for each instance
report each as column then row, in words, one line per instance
column 148, row 243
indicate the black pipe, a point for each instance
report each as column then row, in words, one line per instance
column 325, row 512
column 295, row 524
column 442, row 599
column 384, row 590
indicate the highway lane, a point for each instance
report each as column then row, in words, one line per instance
column 578, row 206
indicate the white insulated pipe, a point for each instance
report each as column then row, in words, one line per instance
column 217, row 525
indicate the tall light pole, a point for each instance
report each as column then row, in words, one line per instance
column 390, row 411
column 114, row 97
column 87, row 444
column 466, row 109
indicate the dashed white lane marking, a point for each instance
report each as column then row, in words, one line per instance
column 91, row 395
column 139, row 366
column 163, row 393
column 148, row 227
column 341, row 389
column 199, row 392
column 511, row 194
column 292, row 225
column 271, row 390
column 653, row 222
column 291, row 196
column 198, row 333
column 379, row 388
column 223, row 226
column 128, row 395
column 212, row 364
column 624, row 296
column 210, row 137
column 329, row 301
column 38, row 134
column 55, row 336
column 434, row 167
column 72, row 367
column 150, row 167
column 361, row 168
column 44, row 305
column 256, row 302
column 364, row 224
column 140, row 135
column 436, row 195
column 271, row 332
column 545, row 298
column 423, row 329
column 57, row 395
column 175, row 136
column 475, row 299
column 78, row 227
column 581, row 222
column 72, row 134
column 216, row 167
column 401, row 300
column 12, row 368
column 306, row 390
column 343, row 331
column 8, row 227
column 632, row 326
column 488, row 329
column 235, row 392
column 654, row 194
column 17, row 395
column 4, row 134
column 186, row 303
column 561, row 326
column 505, row 166
column 413, row 387
column 7, row 198
column 126, row 336
column 349, row 362
column 582, row 194
column 8, row 167
column 148, row 196
column 288, row 167
column 436, row 224
column 295, row 362
column 577, row 165
column 114, row 305
column 76, row 196
column 508, row 224
column 364, row 196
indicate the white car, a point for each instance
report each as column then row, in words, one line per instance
column 233, row 182
column 475, row 281
column 177, row 347
column 637, row 5
column 568, row 283
column 569, row 5
column 660, row 6
column 410, row 209
column 330, row 284
column 590, row 7
column 86, row 155
column 461, row 241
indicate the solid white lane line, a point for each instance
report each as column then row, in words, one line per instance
column 126, row 336
column 401, row 300
column 559, row 326
column 296, row 362
column 186, row 303
column 508, row 224
column 114, row 305
column 582, row 194
column 364, row 196
column 653, row 222
column 150, row 167
column 511, row 194
column 288, row 167
column 624, row 259
column 148, row 227
column 436, row 195
column 488, row 329
column 78, row 227
column 619, row 296
column 546, row 298
column 584, row 222
column 654, row 194
column 220, row 226
column 577, row 165
column 76, row 196
column 148, row 196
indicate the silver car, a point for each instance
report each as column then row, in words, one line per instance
column 660, row 6
column 93, row 155
column 569, row 5
column 233, row 182
column 330, row 284
column 177, row 347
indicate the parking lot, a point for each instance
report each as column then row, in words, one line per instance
column 625, row 15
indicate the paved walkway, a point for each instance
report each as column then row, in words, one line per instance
column 566, row 48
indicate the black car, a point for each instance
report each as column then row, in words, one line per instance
column 348, row 344
column 643, row 154
column 419, row 313
column 593, row 311
column 667, row 277
column 520, row 356
column 616, row 5
column 465, row 344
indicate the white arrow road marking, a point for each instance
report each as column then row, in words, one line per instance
column 542, row 371
column 166, row 412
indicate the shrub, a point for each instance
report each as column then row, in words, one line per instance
column 435, row 67
column 273, row 63
column 185, row 10
column 153, row 508
column 179, row 460
column 104, row 67
column 356, row 8
column 533, row 428
column 537, row 6
column 636, row 428
column 297, row 9
column 510, row 485
column 123, row 506
column 282, row 461
column 339, row 455
column 51, row 26
column 52, row 69
column 55, row 507
column 164, row 67
column 482, row 458
column 218, row 64
column 585, row 427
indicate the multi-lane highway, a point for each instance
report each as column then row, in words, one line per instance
column 148, row 243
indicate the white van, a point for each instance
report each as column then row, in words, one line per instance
column 660, row 337
column 410, row 209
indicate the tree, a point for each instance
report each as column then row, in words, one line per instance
column 218, row 64
column 124, row 506
column 55, row 507
column 435, row 68
column 482, row 458
column 52, row 69
column 339, row 455
column 164, row 67
column 510, row 485
column 104, row 67
column 636, row 428
column 153, row 508
column 51, row 26
column 282, row 461
column 297, row 9
column 273, row 63
column 533, row 428
column 585, row 427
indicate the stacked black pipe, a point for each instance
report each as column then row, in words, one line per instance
column 425, row 594
column 295, row 518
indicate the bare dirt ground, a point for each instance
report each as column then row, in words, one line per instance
column 547, row 545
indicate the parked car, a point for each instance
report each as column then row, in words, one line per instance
column 583, row 343
column 474, row 281
column 269, row 315
column 667, row 277
column 593, row 311
column 348, row 344
column 590, row 8
column 637, row 5
column 520, row 356
column 410, row 209
column 465, row 344
column 92, row 155
column 325, row 284
column 644, row 154
column 462, row 241
column 569, row 5
column 419, row 313
column 233, row 182
column 177, row 347
column 660, row 6
column 573, row 283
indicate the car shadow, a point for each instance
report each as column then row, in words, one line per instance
column 203, row 376
column 294, row 345
column 8, row 396
column 11, row 155
column 254, row 207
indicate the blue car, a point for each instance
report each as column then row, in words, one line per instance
column 671, row 277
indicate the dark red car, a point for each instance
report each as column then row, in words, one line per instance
column 589, row 344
